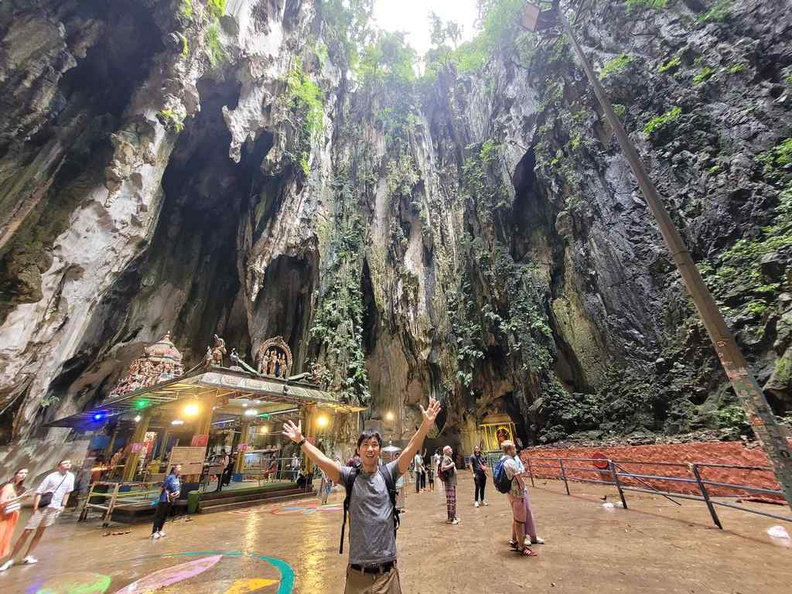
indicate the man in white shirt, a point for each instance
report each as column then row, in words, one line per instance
column 56, row 485
column 420, row 473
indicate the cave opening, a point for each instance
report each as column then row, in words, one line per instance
column 535, row 234
column 186, row 281
column 284, row 303
column 371, row 322
column 117, row 65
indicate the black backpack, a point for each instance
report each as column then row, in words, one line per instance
column 392, row 492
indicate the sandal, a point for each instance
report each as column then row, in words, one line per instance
column 527, row 552
column 513, row 544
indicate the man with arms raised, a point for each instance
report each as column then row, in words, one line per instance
column 372, row 538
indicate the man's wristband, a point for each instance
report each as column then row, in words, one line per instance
column 301, row 442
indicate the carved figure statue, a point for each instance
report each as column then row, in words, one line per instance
column 273, row 359
column 161, row 361
column 234, row 356
column 264, row 364
column 219, row 351
column 208, row 357
column 285, row 368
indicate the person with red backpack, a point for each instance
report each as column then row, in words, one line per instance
column 370, row 503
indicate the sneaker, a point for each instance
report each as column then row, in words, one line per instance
column 485, row 502
column 454, row 522
column 29, row 560
column 155, row 536
column 162, row 534
column 7, row 565
column 476, row 504
column 534, row 540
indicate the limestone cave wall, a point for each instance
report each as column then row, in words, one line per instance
column 276, row 167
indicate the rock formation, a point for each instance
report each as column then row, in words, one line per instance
column 254, row 168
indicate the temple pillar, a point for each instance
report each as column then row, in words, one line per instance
column 308, row 414
column 204, row 423
column 137, row 437
column 244, row 436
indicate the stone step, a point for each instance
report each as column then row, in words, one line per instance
column 259, row 496
column 219, row 507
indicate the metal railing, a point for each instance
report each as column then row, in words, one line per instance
column 612, row 473
column 272, row 470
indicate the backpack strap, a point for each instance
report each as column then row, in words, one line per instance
column 349, row 482
column 392, row 493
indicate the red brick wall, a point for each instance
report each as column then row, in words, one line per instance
column 631, row 457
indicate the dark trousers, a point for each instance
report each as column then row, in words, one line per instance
column 480, row 480
column 160, row 515
column 420, row 481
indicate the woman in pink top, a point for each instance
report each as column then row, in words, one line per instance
column 11, row 494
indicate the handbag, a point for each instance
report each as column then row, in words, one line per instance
column 46, row 498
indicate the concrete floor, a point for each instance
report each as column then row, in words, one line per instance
column 653, row 547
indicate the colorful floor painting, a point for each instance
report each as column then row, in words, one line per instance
column 206, row 572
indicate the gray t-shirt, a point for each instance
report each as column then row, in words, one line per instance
column 371, row 536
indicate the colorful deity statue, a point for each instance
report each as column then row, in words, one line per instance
column 218, row 351
column 161, row 361
column 264, row 364
column 274, row 358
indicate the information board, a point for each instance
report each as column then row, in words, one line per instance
column 191, row 459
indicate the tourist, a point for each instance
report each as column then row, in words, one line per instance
column 295, row 466
column 420, row 473
column 430, row 471
column 372, row 515
column 171, row 489
column 325, row 487
column 48, row 503
column 11, row 494
column 447, row 471
column 478, row 466
column 228, row 473
column 224, row 461
column 523, row 525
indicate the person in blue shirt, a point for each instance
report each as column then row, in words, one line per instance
column 171, row 488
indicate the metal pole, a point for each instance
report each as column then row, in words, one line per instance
column 705, row 495
column 763, row 422
column 617, row 482
column 563, row 475
column 530, row 472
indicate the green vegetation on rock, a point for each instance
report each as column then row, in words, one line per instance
column 720, row 11
column 704, row 75
column 338, row 321
column 306, row 101
column 615, row 65
column 661, row 121
column 637, row 4
column 671, row 64
column 216, row 8
column 214, row 47
column 186, row 8
column 171, row 120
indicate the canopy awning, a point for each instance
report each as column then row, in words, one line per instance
column 273, row 394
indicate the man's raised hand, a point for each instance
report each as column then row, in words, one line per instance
column 430, row 412
column 292, row 431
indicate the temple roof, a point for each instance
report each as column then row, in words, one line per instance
column 274, row 395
